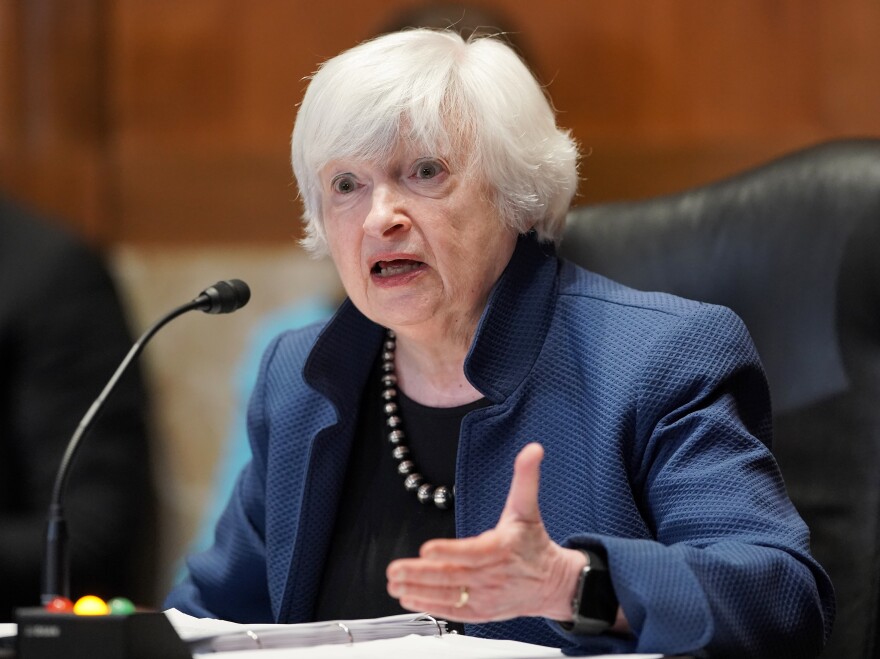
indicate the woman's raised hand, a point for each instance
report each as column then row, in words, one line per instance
column 512, row 570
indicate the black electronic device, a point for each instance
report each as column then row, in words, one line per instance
column 594, row 606
column 46, row 635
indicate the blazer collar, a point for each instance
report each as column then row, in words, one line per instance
column 508, row 340
column 513, row 327
column 340, row 361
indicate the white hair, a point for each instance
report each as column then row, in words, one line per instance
column 474, row 99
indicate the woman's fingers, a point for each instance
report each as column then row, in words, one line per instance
column 522, row 498
column 496, row 575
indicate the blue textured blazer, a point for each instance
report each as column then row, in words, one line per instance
column 655, row 418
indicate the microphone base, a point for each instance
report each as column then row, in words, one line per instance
column 45, row 635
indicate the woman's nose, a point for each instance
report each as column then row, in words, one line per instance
column 387, row 216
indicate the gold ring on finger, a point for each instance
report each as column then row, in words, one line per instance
column 463, row 597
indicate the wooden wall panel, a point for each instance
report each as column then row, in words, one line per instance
column 168, row 121
column 9, row 74
column 205, row 112
column 849, row 43
column 52, row 119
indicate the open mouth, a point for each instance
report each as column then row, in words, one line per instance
column 396, row 267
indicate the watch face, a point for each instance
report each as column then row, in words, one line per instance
column 598, row 601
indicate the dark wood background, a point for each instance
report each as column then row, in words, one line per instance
column 168, row 121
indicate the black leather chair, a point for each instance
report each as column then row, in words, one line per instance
column 793, row 247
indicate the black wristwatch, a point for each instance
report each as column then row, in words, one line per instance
column 594, row 606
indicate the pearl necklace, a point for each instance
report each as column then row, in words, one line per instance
column 442, row 496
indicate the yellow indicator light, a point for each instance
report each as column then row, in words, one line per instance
column 89, row 605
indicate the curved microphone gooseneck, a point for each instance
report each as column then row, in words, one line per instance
column 223, row 297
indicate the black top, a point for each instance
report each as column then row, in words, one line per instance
column 378, row 520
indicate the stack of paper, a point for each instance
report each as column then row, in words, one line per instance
column 207, row 635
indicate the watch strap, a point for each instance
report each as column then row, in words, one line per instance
column 594, row 605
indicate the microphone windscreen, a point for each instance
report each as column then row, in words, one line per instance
column 224, row 296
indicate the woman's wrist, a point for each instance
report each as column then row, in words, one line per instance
column 569, row 563
column 558, row 606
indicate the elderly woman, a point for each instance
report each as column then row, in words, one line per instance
column 433, row 173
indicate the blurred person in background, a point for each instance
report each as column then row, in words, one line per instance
column 62, row 335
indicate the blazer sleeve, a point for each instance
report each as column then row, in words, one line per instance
column 229, row 580
column 728, row 571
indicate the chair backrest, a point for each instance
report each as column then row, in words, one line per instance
column 793, row 247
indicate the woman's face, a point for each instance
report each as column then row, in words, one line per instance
column 416, row 241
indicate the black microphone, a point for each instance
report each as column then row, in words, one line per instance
column 222, row 297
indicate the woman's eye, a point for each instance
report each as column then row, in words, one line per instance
column 427, row 169
column 344, row 184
